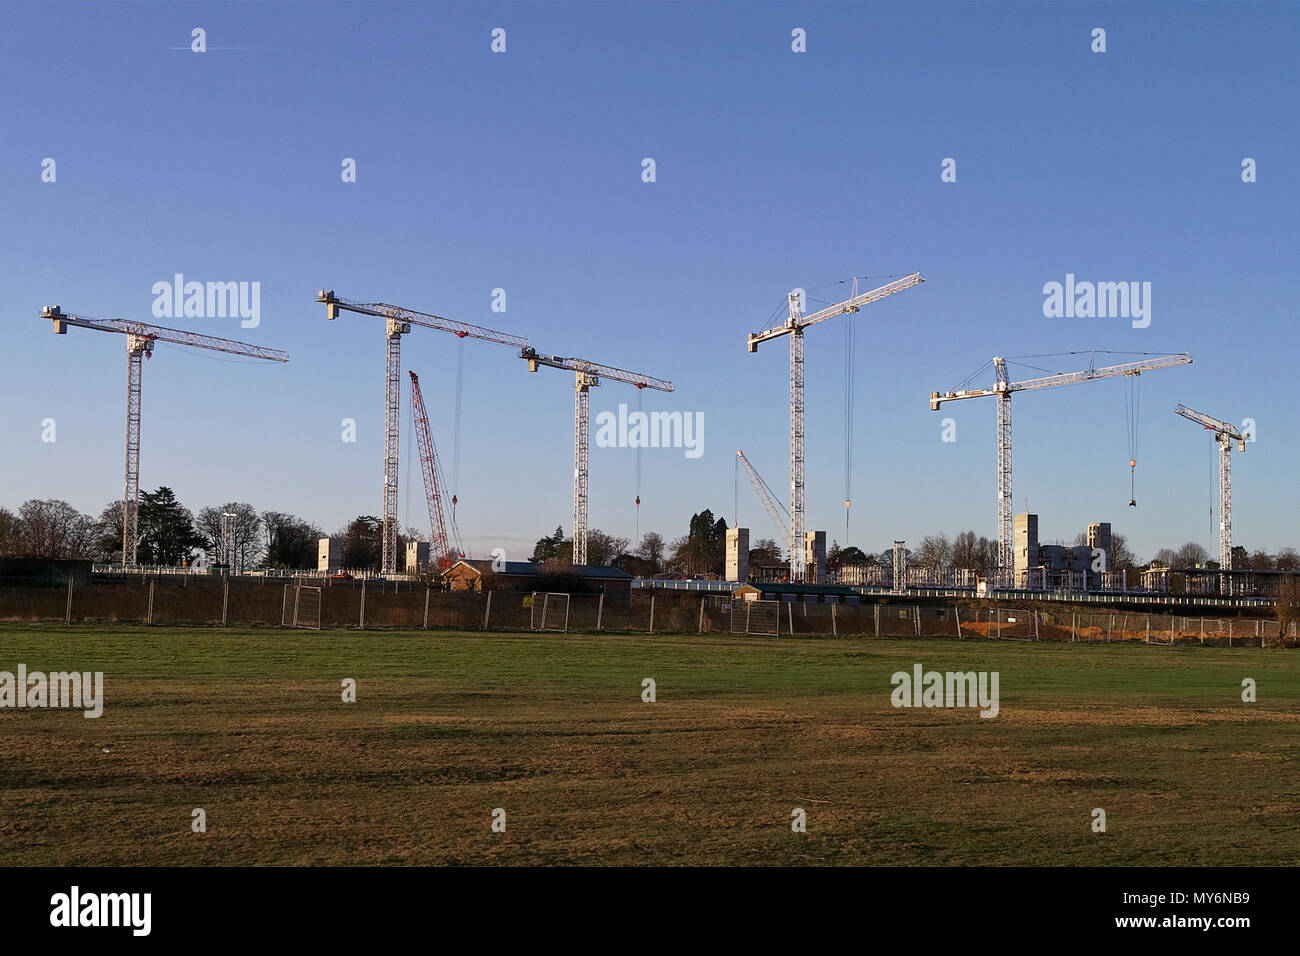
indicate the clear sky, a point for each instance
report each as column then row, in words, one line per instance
column 523, row 171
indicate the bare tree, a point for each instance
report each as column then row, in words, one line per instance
column 965, row 551
column 603, row 548
column 51, row 528
column 9, row 526
column 652, row 549
column 935, row 552
column 245, row 534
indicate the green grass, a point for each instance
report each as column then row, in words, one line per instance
column 249, row 725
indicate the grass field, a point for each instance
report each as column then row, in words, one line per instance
column 250, row 726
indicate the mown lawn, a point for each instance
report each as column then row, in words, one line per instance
column 250, row 726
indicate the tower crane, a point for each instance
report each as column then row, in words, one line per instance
column 140, row 339
column 1002, row 388
column 398, row 323
column 794, row 327
column 765, row 496
column 586, row 376
column 440, row 547
column 1225, row 434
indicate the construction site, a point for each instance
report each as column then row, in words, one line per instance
column 566, row 435
column 435, row 563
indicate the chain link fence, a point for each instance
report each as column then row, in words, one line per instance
column 377, row 604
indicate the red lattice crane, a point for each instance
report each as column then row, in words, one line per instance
column 440, row 548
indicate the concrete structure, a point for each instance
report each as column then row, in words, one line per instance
column 814, row 556
column 738, row 554
column 1035, row 564
column 1099, row 540
column 329, row 555
column 1024, row 548
column 417, row 556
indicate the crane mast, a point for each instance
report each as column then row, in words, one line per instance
column 140, row 339
column 587, row 375
column 1002, row 389
column 761, row 489
column 440, row 546
column 1225, row 434
column 398, row 322
column 794, row 327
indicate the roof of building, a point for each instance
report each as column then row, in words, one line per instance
column 766, row 588
column 522, row 568
column 529, row 569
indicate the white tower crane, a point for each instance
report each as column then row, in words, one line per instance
column 1225, row 434
column 1002, row 389
column 140, row 339
column 399, row 322
column 794, row 327
column 766, row 497
column 586, row 376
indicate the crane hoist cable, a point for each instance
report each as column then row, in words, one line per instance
column 639, row 402
column 455, row 441
column 1133, row 404
column 849, row 370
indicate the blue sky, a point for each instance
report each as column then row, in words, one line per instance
column 522, row 171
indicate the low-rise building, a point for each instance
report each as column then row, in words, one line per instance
column 798, row 593
column 479, row 575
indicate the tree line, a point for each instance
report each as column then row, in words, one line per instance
column 169, row 534
column 172, row 535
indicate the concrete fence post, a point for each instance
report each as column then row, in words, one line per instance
column 362, row 621
column 1229, row 632
column 427, row 592
column 225, row 597
column 700, row 628
column 956, row 612
column 487, row 611
column 1148, row 628
column 1073, row 617
column 835, row 631
column 916, row 619
column 652, row 612
column 789, row 613
column 877, row 616
column 148, row 619
column 68, row 616
column 600, row 610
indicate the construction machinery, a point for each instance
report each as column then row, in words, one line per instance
column 440, row 545
column 398, row 322
column 1002, row 389
column 766, row 496
column 140, row 340
column 794, row 327
column 587, row 375
column 1225, row 434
